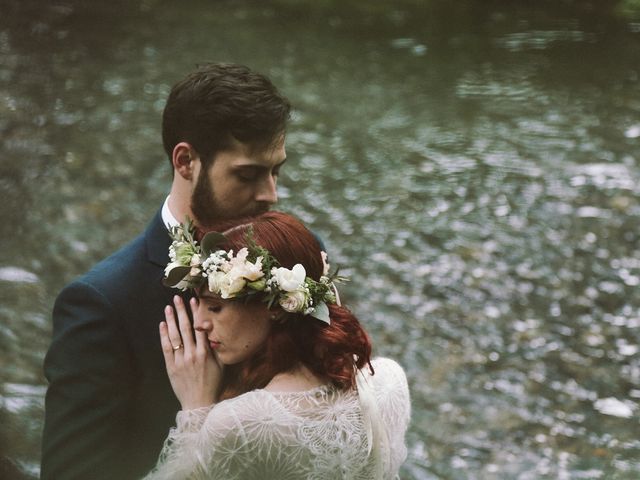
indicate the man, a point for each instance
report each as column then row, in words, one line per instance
column 109, row 405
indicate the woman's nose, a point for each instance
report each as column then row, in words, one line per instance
column 200, row 321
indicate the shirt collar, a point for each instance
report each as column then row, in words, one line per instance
column 167, row 217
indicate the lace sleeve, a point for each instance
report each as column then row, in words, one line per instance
column 218, row 444
column 179, row 455
column 392, row 393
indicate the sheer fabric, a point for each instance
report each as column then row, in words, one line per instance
column 317, row 434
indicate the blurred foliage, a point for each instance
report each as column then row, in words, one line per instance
column 485, row 149
column 628, row 8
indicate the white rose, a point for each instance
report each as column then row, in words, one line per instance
column 216, row 279
column 241, row 267
column 253, row 271
column 240, row 257
column 289, row 280
column 231, row 286
column 236, row 278
column 294, row 301
column 227, row 265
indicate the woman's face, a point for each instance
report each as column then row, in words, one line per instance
column 235, row 330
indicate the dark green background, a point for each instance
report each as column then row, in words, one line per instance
column 472, row 165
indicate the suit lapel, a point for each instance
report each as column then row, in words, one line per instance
column 158, row 240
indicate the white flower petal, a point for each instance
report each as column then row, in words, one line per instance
column 289, row 280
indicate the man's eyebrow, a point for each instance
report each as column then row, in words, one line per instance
column 260, row 166
column 281, row 163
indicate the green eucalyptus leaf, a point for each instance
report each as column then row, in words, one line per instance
column 272, row 300
column 210, row 242
column 321, row 312
column 258, row 285
column 175, row 276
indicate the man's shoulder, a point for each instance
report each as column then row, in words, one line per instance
column 125, row 268
column 118, row 266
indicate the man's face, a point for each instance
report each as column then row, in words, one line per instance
column 237, row 183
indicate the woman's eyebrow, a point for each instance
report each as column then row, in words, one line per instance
column 208, row 296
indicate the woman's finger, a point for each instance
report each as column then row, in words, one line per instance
column 202, row 344
column 167, row 350
column 186, row 330
column 172, row 328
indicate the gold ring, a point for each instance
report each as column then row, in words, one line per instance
column 177, row 348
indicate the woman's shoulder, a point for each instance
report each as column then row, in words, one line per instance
column 258, row 405
column 259, row 415
column 233, row 416
column 389, row 381
column 386, row 363
column 391, row 391
column 249, row 403
column 386, row 372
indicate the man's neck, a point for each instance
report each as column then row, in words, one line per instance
column 178, row 205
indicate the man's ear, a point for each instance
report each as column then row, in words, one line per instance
column 183, row 160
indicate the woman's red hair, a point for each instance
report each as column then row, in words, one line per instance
column 331, row 352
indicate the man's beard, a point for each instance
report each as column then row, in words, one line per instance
column 206, row 209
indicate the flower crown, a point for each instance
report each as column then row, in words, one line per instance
column 249, row 271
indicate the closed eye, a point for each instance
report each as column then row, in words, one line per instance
column 251, row 173
column 248, row 174
column 215, row 308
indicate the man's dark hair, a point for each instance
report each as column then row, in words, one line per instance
column 220, row 102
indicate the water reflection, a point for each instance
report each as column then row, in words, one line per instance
column 478, row 178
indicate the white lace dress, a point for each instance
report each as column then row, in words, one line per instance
column 321, row 433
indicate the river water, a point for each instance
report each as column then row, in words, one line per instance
column 473, row 166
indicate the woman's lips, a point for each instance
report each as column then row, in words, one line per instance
column 214, row 344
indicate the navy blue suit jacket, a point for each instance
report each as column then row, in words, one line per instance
column 109, row 404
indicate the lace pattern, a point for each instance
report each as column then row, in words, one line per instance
column 318, row 434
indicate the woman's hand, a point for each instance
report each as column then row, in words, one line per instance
column 194, row 371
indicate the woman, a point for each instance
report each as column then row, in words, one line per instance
column 276, row 382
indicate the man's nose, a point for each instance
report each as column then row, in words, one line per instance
column 267, row 192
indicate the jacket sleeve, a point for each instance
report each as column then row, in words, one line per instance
column 90, row 383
